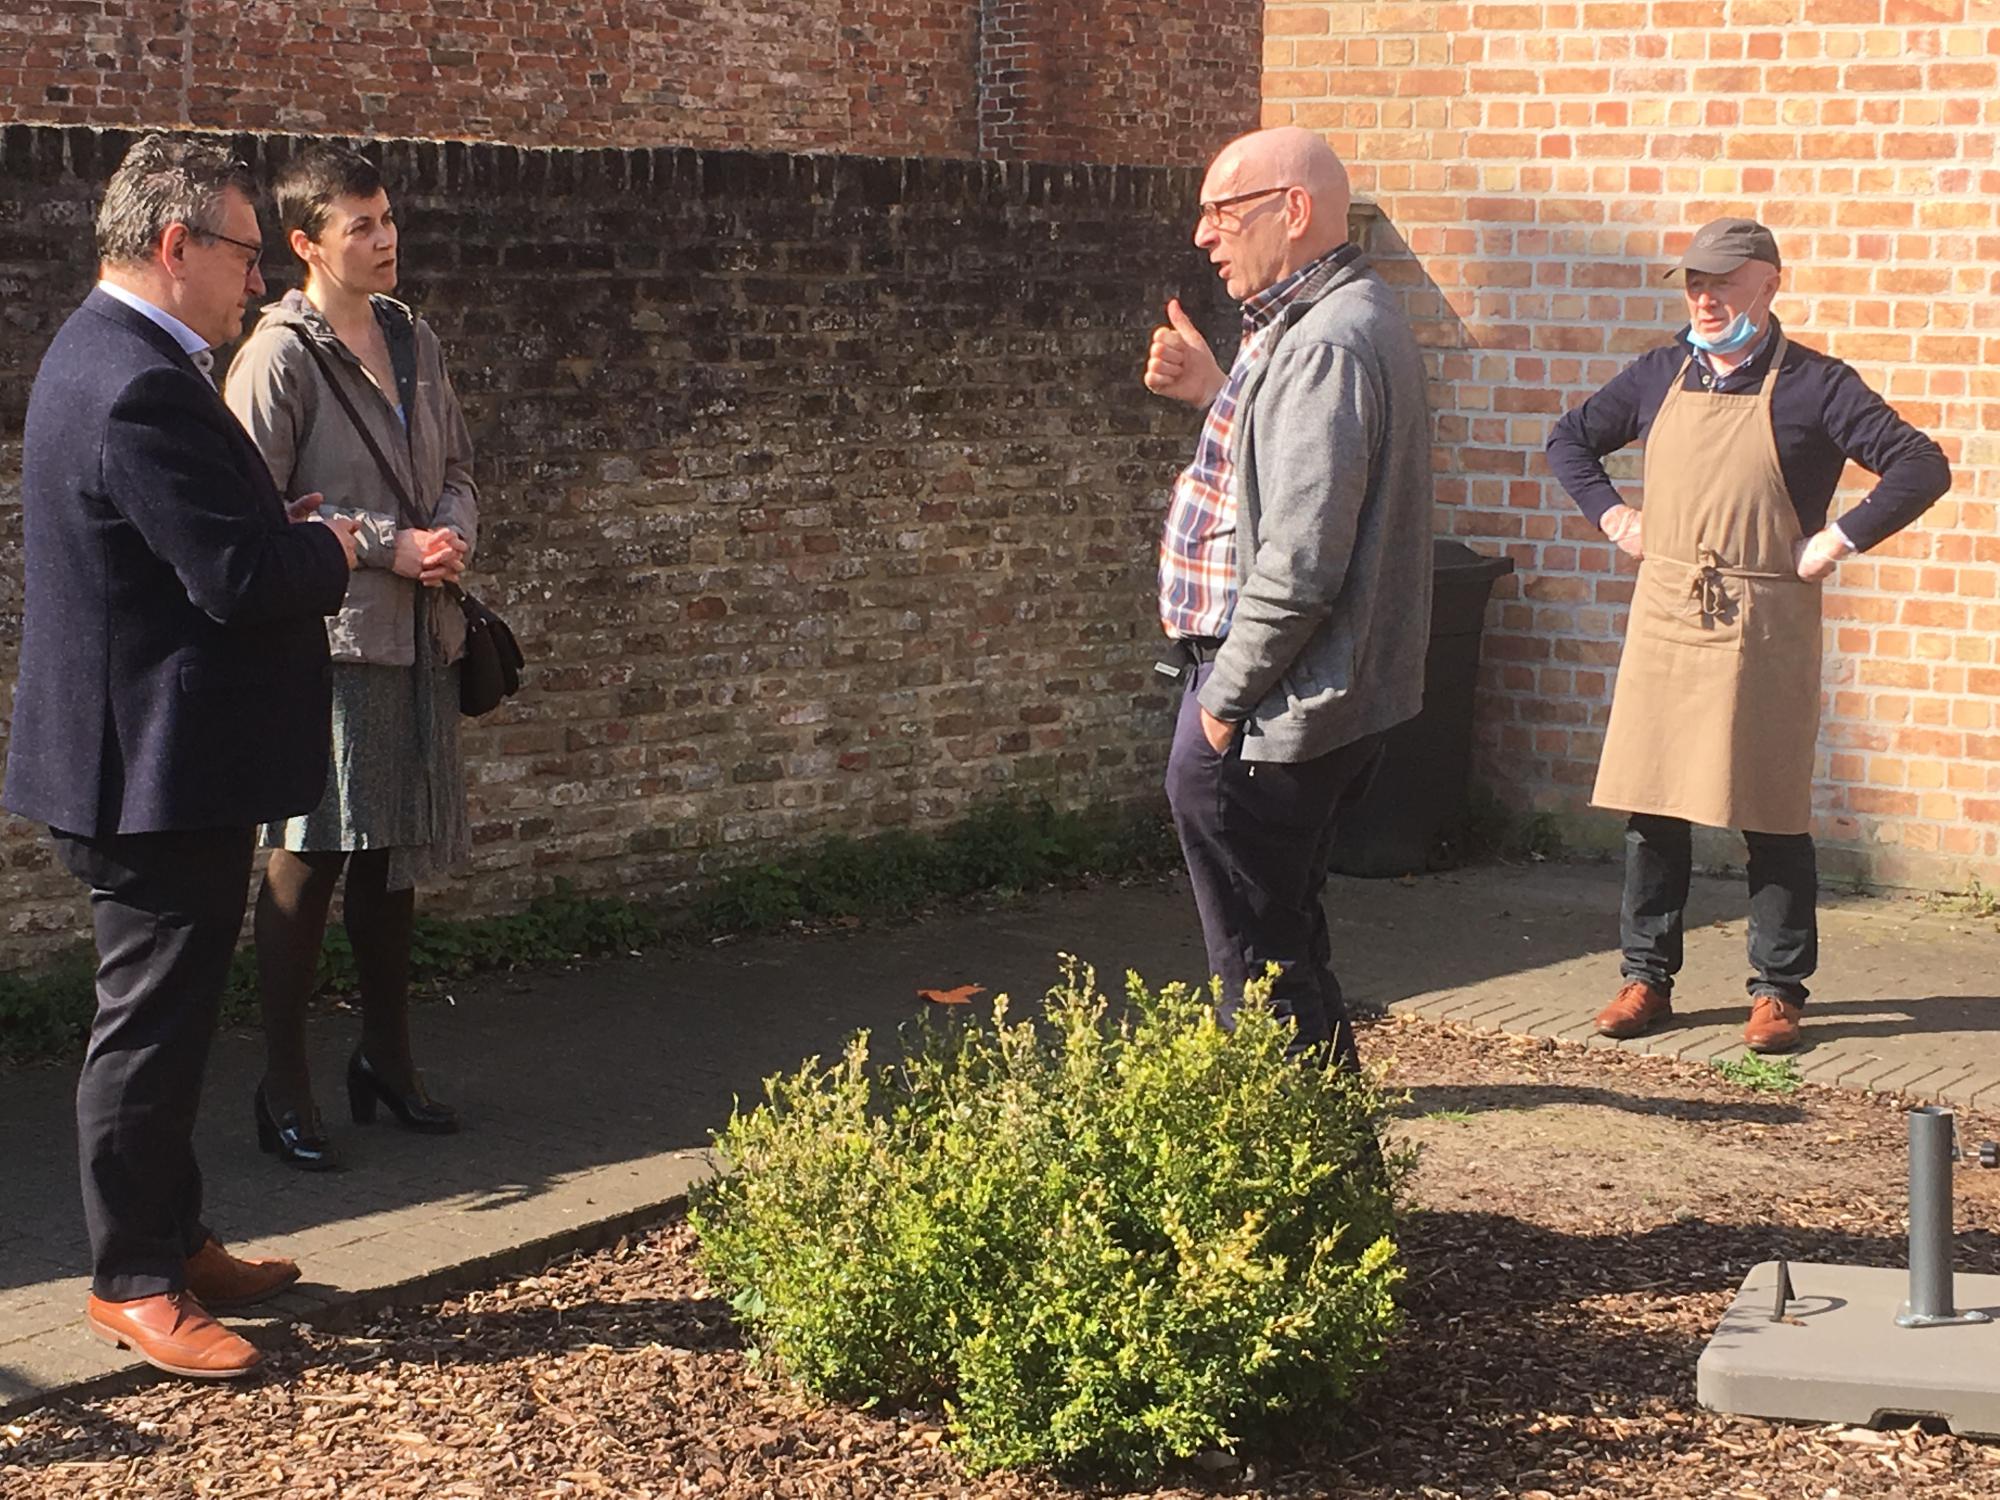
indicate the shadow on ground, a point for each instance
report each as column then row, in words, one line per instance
column 622, row 1061
column 1431, row 1099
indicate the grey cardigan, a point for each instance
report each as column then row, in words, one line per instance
column 1333, row 530
column 278, row 392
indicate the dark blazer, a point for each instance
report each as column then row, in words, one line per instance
column 173, row 671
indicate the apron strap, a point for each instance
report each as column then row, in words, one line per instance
column 1771, row 375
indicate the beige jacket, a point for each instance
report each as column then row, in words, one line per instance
column 278, row 392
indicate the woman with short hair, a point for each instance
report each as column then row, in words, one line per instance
column 344, row 390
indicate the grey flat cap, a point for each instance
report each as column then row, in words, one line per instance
column 1721, row 245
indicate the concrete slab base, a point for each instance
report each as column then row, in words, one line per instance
column 1839, row 1356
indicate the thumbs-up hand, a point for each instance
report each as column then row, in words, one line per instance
column 1180, row 363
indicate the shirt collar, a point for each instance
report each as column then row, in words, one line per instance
column 1263, row 309
column 191, row 342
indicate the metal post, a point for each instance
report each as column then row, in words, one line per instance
column 1930, row 1301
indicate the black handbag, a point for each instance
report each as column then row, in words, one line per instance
column 490, row 670
column 491, row 667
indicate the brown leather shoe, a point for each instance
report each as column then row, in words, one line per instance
column 1637, row 1010
column 174, row 1333
column 216, row 1279
column 1774, row 1024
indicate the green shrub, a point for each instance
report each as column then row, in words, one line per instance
column 1106, row 1242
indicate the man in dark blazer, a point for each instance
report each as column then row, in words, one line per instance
column 173, row 694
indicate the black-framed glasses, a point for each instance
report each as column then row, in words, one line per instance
column 256, row 251
column 1211, row 213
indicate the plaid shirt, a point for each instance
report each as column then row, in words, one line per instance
column 1198, row 547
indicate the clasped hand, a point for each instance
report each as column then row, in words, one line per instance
column 434, row 558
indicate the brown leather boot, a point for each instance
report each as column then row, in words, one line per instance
column 174, row 1333
column 1637, row 1010
column 217, row 1279
column 1774, row 1024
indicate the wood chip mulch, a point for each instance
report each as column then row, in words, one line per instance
column 1579, row 1221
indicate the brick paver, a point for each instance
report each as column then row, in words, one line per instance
column 589, row 1096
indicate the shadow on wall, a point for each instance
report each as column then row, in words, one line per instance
column 1517, row 703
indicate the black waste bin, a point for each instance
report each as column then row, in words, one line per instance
column 1419, row 796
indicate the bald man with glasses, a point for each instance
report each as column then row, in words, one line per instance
column 1295, row 566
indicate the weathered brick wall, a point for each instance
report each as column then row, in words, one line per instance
column 1537, row 165
column 891, row 76
column 823, row 490
column 1146, row 81
column 1117, row 80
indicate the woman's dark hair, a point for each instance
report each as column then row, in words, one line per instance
column 307, row 186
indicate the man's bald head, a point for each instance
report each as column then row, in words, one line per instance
column 1257, row 242
column 1291, row 155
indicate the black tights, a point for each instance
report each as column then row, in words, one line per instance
column 292, row 908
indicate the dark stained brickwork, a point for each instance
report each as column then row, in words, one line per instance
column 822, row 490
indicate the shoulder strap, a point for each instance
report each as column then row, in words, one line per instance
column 405, row 507
column 404, row 504
column 1771, row 375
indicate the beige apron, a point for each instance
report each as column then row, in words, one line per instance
column 1716, row 712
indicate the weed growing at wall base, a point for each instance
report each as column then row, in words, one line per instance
column 1763, row 1075
column 46, row 1013
column 1104, row 1242
column 1004, row 847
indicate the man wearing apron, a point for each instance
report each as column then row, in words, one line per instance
column 1715, row 715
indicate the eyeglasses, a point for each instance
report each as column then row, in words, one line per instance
column 1211, row 213
column 256, row 251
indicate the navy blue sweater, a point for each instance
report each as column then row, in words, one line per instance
column 1822, row 414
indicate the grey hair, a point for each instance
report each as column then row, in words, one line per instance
column 166, row 179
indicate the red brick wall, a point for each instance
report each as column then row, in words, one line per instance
column 1124, row 81
column 1536, row 167
column 1117, row 80
column 888, row 76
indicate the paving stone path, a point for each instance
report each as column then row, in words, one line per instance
column 589, row 1096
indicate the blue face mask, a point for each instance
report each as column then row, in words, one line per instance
column 1739, row 332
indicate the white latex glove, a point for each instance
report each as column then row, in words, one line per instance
column 1819, row 552
column 1626, row 527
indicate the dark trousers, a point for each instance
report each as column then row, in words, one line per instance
column 1256, row 836
column 1784, row 895
column 166, row 908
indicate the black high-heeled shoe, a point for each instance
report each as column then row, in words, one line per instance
column 295, row 1141
column 416, row 1110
